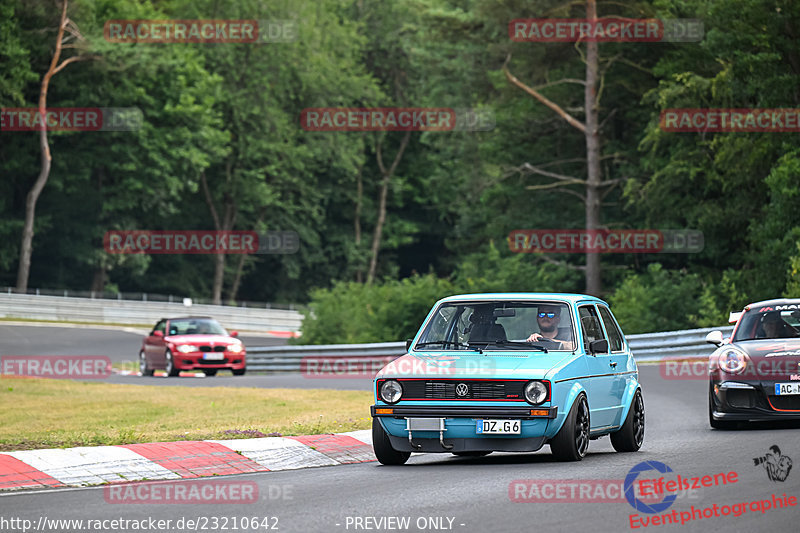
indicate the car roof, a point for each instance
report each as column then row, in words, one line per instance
column 776, row 301
column 551, row 296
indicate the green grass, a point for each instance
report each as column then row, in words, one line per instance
column 44, row 413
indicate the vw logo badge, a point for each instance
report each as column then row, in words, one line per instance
column 462, row 389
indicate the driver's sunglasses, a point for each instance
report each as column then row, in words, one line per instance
column 548, row 315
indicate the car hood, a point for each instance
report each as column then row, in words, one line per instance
column 202, row 339
column 770, row 358
column 498, row 365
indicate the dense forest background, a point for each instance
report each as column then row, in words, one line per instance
column 221, row 147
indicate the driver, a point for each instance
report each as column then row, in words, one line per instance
column 775, row 327
column 548, row 318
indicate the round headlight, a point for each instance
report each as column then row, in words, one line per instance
column 535, row 392
column 186, row 348
column 732, row 361
column 391, row 391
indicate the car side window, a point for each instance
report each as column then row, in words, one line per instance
column 159, row 327
column 590, row 325
column 614, row 335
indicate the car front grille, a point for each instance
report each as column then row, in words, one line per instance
column 789, row 403
column 441, row 389
column 212, row 349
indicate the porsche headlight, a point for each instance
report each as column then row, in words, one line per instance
column 732, row 361
column 391, row 391
column 535, row 392
column 186, row 348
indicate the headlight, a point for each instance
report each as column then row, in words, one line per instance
column 235, row 348
column 535, row 392
column 732, row 361
column 391, row 391
column 186, row 348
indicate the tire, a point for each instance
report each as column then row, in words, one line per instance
column 239, row 372
column 630, row 436
column 210, row 371
column 383, row 448
column 471, row 454
column 144, row 369
column 572, row 440
column 717, row 424
column 170, row 368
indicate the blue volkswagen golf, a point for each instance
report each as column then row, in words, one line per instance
column 510, row 372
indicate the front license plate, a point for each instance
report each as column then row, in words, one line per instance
column 213, row 356
column 498, row 427
column 787, row 388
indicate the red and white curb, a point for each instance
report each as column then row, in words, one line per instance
column 95, row 465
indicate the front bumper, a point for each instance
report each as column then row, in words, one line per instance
column 750, row 401
column 458, row 429
column 195, row 361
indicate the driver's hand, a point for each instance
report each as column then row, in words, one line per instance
column 534, row 337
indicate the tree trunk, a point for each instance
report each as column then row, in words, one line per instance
column 357, row 222
column 225, row 224
column 387, row 177
column 593, row 179
column 26, row 246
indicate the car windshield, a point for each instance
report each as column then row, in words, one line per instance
column 768, row 323
column 195, row 326
column 499, row 326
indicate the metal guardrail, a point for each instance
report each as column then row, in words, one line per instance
column 133, row 312
column 645, row 347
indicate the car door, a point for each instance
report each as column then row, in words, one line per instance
column 155, row 345
column 602, row 403
column 618, row 358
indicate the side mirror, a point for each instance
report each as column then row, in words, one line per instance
column 158, row 333
column 598, row 346
column 234, row 333
column 715, row 338
column 408, row 344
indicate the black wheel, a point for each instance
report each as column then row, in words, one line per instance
column 170, row 368
column 239, row 372
column 144, row 369
column 631, row 435
column 717, row 424
column 572, row 440
column 383, row 448
column 210, row 371
column 471, row 454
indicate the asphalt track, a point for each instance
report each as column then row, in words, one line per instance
column 476, row 493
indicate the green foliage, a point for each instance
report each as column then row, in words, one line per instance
column 351, row 312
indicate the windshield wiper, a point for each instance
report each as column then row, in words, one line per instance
column 454, row 343
column 522, row 344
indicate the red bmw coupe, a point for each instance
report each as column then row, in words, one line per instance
column 191, row 343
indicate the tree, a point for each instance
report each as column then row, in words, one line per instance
column 56, row 65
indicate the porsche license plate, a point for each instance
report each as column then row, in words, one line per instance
column 787, row 388
column 498, row 427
